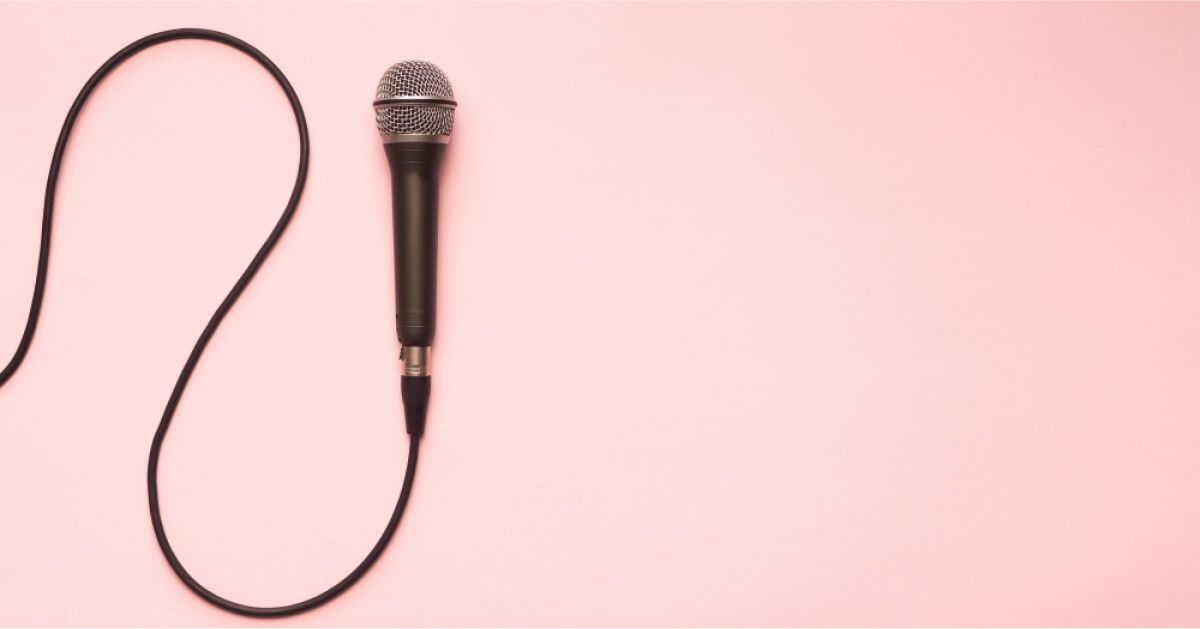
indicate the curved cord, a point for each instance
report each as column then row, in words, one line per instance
column 213, row 323
column 284, row 610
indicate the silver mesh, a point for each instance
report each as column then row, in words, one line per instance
column 414, row 78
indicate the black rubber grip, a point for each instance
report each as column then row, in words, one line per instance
column 415, row 172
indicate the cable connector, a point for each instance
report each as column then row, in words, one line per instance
column 414, row 391
column 417, row 359
column 415, row 385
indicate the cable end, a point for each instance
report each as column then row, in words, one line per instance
column 414, row 391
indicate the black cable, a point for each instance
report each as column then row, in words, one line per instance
column 214, row 322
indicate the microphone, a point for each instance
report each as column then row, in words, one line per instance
column 414, row 110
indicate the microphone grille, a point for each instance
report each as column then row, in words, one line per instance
column 414, row 79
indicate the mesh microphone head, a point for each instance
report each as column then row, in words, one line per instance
column 414, row 98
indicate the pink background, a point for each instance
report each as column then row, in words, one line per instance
column 754, row 314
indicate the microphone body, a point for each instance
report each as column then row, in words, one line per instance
column 416, row 168
column 414, row 110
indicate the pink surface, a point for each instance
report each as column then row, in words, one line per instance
column 754, row 314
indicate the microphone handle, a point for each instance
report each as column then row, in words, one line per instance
column 416, row 168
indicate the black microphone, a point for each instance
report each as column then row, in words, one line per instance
column 414, row 110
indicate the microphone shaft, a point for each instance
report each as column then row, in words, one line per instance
column 415, row 169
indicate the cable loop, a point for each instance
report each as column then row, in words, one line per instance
column 214, row 322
